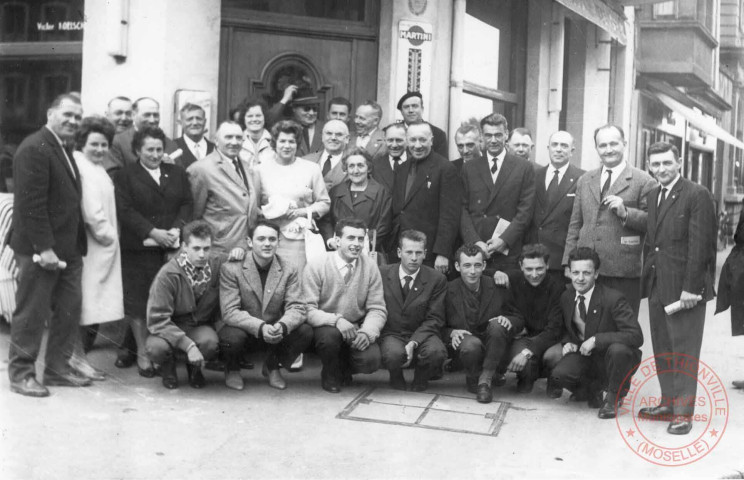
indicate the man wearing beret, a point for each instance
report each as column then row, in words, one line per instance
column 411, row 105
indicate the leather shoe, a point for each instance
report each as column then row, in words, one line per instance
column 233, row 380
column 276, row 380
column 609, row 408
column 484, row 394
column 214, row 365
column 738, row 384
column 419, row 386
column 68, row 379
column 148, row 372
column 397, row 380
column 595, row 400
column 552, row 390
column 330, row 386
column 471, row 384
column 29, row 387
column 681, row 426
column 84, row 369
column 125, row 360
column 196, row 377
column 168, row 371
column 662, row 413
column 525, row 384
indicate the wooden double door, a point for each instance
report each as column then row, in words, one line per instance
column 265, row 45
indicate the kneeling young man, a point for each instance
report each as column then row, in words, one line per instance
column 262, row 297
column 345, row 307
column 481, row 319
column 603, row 338
column 414, row 295
column 184, row 307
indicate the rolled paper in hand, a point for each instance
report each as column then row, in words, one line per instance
column 675, row 307
column 61, row 264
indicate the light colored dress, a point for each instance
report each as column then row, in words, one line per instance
column 254, row 154
column 101, row 278
column 299, row 184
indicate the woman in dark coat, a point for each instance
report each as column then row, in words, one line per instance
column 359, row 196
column 153, row 202
column 731, row 286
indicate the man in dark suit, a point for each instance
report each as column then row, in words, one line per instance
column 411, row 106
column 609, row 215
column 468, row 141
column 521, row 143
column 481, row 321
column 601, row 349
column 555, row 190
column 146, row 114
column 119, row 111
column 499, row 189
column 679, row 263
column 414, row 296
column 386, row 163
column 339, row 108
column 193, row 145
column 335, row 139
column 49, row 243
column 368, row 134
column 426, row 197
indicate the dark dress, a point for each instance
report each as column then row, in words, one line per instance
column 373, row 205
column 142, row 205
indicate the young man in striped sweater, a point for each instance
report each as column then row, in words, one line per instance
column 345, row 307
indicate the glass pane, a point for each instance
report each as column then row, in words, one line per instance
column 475, row 106
column 480, row 37
column 664, row 9
column 350, row 10
column 13, row 22
column 35, row 21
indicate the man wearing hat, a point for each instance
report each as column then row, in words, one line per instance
column 304, row 106
column 411, row 105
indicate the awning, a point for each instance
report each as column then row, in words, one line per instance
column 698, row 120
column 600, row 14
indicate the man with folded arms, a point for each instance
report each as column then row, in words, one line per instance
column 345, row 307
column 262, row 297
column 414, row 295
column 481, row 320
column 183, row 307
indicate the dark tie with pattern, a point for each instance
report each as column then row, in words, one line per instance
column 407, row 286
column 327, row 165
column 606, row 186
column 349, row 272
column 662, row 198
column 411, row 178
column 241, row 173
column 582, row 314
column 494, row 167
column 396, row 163
column 553, row 188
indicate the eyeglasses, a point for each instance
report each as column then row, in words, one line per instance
column 309, row 108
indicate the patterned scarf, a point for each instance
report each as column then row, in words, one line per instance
column 198, row 277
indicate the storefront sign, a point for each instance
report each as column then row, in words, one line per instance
column 415, row 52
column 59, row 26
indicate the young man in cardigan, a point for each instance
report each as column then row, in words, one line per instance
column 345, row 307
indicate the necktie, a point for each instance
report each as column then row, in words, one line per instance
column 197, row 151
column 606, row 186
column 411, row 178
column 662, row 197
column 396, row 163
column 407, row 286
column 70, row 159
column 239, row 169
column 494, row 167
column 582, row 314
column 349, row 272
column 327, row 165
column 552, row 187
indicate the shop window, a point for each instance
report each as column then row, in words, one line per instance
column 15, row 93
column 13, row 22
column 349, row 10
column 53, row 85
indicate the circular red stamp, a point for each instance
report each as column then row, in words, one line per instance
column 648, row 437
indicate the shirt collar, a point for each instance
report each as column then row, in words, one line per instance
column 403, row 157
column 499, row 158
column 587, row 296
column 59, row 140
column 616, row 170
column 561, row 170
column 671, row 185
column 341, row 263
column 402, row 274
column 190, row 143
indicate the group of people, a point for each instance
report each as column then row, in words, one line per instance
column 488, row 261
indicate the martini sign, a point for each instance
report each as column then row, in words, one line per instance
column 414, row 62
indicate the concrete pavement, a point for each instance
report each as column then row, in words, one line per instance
column 130, row 427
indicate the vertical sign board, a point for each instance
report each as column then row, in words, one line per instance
column 415, row 50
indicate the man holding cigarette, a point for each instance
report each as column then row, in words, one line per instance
column 678, row 279
column 609, row 215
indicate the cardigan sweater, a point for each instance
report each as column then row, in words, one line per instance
column 361, row 301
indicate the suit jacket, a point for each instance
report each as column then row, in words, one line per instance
column 187, row 158
column 222, row 199
column 421, row 314
column 142, row 204
column 121, row 149
column 247, row 304
column 334, row 176
column 550, row 219
column 458, row 163
column 439, row 141
column 494, row 301
column 382, row 172
column 619, row 244
column 375, row 146
column 512, row 198
column 374, row 206
column 432, row 205
column 609, row 319
column 680, row 251
column 46, row 211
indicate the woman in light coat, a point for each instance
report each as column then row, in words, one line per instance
column 101, row 277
